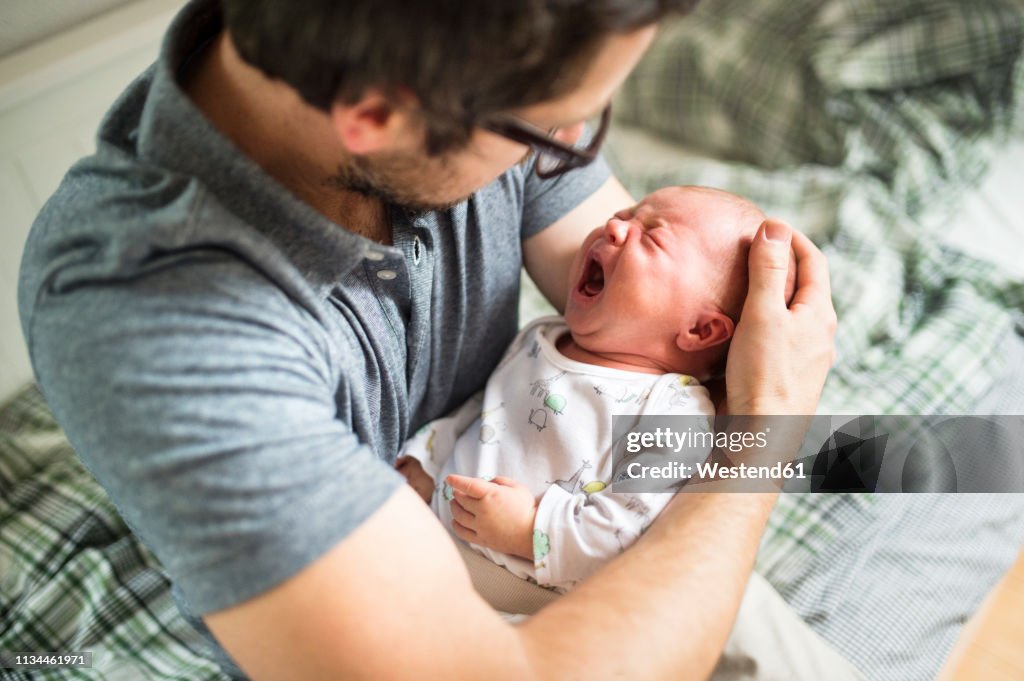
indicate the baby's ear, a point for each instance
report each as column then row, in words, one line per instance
column 711, row 328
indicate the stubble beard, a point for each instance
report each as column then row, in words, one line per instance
column 389, row 182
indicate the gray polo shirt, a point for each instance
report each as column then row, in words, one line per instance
column 236, row 370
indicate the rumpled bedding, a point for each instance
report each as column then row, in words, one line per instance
column 862, row 122
column 72, row 576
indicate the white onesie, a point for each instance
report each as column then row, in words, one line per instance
column 545, row 421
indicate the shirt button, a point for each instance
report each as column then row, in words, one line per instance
column 376, row 256
column 386, row 275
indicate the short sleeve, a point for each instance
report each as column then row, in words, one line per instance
column 200, row 398
column 545, row 201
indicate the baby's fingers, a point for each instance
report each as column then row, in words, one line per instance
column 476, row 488
column 462, row 516
column 506, row 482
column 463, row 533
column 467, row 502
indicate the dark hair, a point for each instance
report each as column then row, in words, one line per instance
column 464, row 61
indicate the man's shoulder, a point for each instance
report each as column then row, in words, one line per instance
column 116, row 221
column 116, row 201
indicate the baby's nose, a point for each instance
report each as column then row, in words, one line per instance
column 616, row 231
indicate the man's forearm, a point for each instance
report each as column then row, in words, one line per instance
column 663, row 609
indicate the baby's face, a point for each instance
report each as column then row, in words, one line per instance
column 653, row 268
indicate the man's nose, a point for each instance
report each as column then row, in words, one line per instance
column 616, row 231
column 570, row 135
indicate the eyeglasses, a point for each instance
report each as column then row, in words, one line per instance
column 553, row 156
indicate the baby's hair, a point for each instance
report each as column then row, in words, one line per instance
column 727, row 277
column 737, row 284
column 731, row 281
column 733, row 278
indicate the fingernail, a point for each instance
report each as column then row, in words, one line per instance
column 775, row 231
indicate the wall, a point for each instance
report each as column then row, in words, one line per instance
column 52, row 97
column 26, row 22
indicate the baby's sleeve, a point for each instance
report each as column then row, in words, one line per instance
column 577, row 531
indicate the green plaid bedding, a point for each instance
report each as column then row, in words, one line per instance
column 72, row 577
column 862, row 122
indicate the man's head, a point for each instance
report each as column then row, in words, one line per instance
column 666, row 279
column 408, row 85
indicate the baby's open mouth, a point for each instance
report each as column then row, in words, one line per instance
column 592, row 281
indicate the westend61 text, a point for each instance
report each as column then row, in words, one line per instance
column 716, row 471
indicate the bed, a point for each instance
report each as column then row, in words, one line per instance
column 894, row 134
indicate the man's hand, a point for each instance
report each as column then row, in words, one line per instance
column 416, row 476
column 780, row 356
column 498, row 514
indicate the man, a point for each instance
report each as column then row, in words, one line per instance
column 299, row 240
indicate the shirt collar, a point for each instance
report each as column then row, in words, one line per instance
column 174, row 135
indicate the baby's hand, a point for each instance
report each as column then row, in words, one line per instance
column 416, row 476
column 498, row 514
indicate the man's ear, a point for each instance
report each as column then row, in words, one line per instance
column 711, row 328
column 374, row 123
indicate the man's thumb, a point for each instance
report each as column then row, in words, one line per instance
column 769, row 262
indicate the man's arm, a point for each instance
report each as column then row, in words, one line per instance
column 394, row 601
column 548, row 254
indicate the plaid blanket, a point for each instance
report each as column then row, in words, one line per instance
column 862, row 122
column 72, row 576
column 859, row 121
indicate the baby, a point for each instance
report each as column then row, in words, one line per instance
column 525, row 468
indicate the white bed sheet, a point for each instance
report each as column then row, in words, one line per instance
column 52, row 97
column 990, row 224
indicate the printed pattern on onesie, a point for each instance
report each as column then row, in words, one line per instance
column 545, row 421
